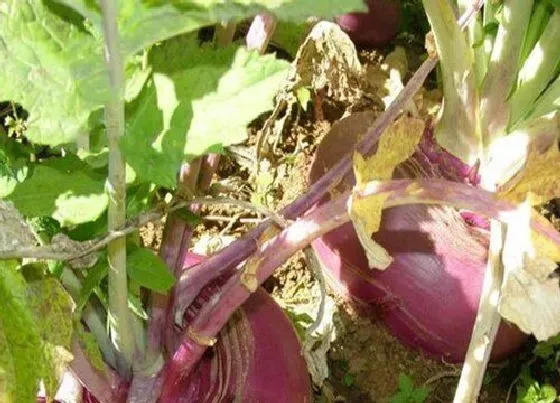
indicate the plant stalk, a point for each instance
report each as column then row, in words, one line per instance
column 539, row 69
column 487, row 321
column 502, row 70
column 458, row 130
column 91, row 317
column 194, row 177
column 120, row 320
column 100, row 384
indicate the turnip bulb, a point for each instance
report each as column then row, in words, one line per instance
column 374, row 28
column 428, row 297
column 257, row 358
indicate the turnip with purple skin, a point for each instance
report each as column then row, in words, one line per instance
column 374, row 28
column 428, row 296
column 256, row 358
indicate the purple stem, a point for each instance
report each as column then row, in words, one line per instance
column 105, row 386
column 176, row 235
column 195, row 176
column 271, row 254
column 188, row 288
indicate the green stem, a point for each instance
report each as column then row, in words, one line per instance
column 458, row 129
column 541, row 14
column 502, row 70
column 91, row 317
column 475, row 35
column 548, row 102
column 119, row 315
column 537, row 71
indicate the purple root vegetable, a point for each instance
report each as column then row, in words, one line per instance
column 374, row 28
column 256, row 358
column 428, row 297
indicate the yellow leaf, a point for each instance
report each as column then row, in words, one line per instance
column 395, row 146
column 538, row 182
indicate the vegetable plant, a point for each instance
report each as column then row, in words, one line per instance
column 408, row 393
column 128, row 112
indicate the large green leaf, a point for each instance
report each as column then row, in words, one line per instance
column 35, row 334
column 199, row 100
column 52, row 58
column 149, row 270
column 66, row 188
column 144, row 22
column 21, row 354
column 52, row 67
column 52, row 308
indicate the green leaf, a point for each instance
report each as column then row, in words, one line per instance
column 405, row 382
column 66, row 188
column 13, row 164
column 289, row 36
column 538, row 70
column 145, row 22
column 91, row 348
column 348, row 379
column 188, row 216
column 407, row 393
column 303, row 95
column 94, row 277
column 21, row 355
column 199, row 100
column 136, row 306
column 52, row 58
column 149, row 270
column 548, row 102
column 52, row 309
column 53, row 68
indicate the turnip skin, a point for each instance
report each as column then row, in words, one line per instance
column 428, row 297
column 374, row 28
column 257, row 358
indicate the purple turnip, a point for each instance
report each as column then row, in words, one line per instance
column 256, row 358
column 429, row 295
column 376, row 27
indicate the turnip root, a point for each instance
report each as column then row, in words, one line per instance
column 256, row 358
column 374, row 28
column 428, row 296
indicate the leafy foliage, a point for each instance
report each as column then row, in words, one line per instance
column 538, row 373
column 35, row 333
column 66, row 188
column 21, row 357
column 52, row 68
column 408, row 393
column 149, row 270
column 198, row 100
column 52, row 308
